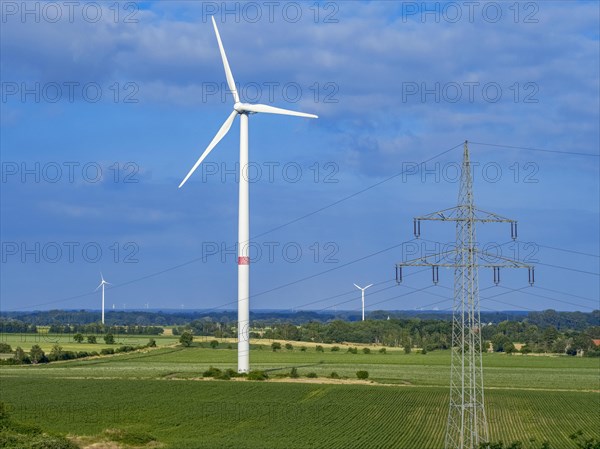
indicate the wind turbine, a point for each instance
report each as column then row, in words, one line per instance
column 362, row 289
column 243, row 110
column 102, row 284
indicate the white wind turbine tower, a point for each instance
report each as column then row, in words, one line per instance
column 243, row 110
column 362, row 289
column 102, row 284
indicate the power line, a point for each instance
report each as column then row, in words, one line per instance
column 551, row 299
column 597, row 300
column 568, row 250
column 567, row 268
column 536, row 149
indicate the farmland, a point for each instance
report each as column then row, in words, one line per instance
column 161, row 392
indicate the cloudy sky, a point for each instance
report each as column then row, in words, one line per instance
column 106, row 107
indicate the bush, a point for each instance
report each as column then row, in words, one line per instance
column 294, row 373
column 424, row 351
column 335, row 348
column 312, row 375
column 257, row 375
column 353, row 350
column 319, row 348
column 151, row 343
column 229, row 347
column 109, row 339
column 289, row 347
column 5, row 348
column 78, row 338
column 303, row 348
column 407, row 349
column 366, row 351
column 571, row 351
column 232, row 373
column 334, row 375
column 362, row 374
column 212, row 372
column 275, row 346
column 91, row 339
column 382, row 351
column 225, row 375
column 107, row 351
column 214, row 344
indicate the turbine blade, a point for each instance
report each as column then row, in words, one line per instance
column 356, row 286
column 98, row 286
column 220, row 134
column 228, row 74
column 272, row 110
column 370, row 285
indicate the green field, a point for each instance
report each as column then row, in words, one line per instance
column 160, row 392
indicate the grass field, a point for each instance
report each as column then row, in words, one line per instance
column 159, row 392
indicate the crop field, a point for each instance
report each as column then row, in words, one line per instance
column 161, row 393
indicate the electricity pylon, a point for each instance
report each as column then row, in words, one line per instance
column 467, row 423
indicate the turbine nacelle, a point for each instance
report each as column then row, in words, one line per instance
column 241, row 108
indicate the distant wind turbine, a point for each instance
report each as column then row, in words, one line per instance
column 243, row 110
column 102, row 284
column 362, row 289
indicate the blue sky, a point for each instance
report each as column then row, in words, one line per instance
column 105, row 109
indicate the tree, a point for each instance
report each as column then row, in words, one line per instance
column 152, row 343
column 407, row 349
column 559, row 346
column 91, row 339
column 214, row 344
column 294, row 373
column 20, row 355
column 362, row 374
column 509, row 348
column 56, row 352
column 498, row 342
column 36, row 354
column 186, row 338
column 549, row 336
column 5, row 348
column 275, row 346
column 78, row 338
column 109, row 339
column 582, row 342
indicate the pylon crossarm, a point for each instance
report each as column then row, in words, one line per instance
column 424, row 260
column 452, row 214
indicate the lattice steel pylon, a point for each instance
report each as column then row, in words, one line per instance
column 467, row 422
